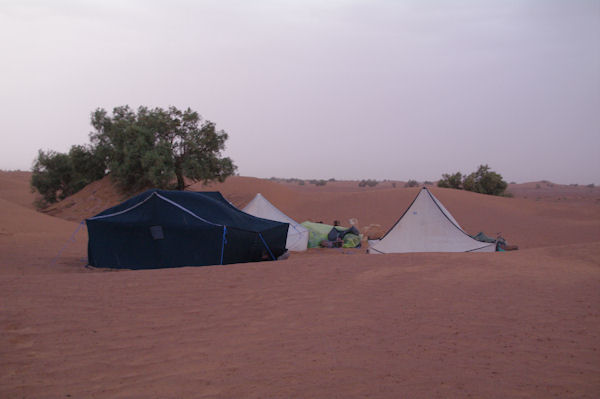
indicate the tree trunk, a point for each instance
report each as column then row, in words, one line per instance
column 179, row 174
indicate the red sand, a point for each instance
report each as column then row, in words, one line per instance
column 327, row 323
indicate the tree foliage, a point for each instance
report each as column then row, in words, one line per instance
column 484, row 181
column 154, row 147
column 150, row 148
column 57, row 175
column 451, row 180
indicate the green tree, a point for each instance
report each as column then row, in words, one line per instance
column 451, row 181
column 154, row 147
column 485, row 181
column 57, row 175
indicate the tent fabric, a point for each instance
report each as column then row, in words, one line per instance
column 161, row 228
column 297, row 238
column 483, row 238
column 320, row 232
column 427, row 226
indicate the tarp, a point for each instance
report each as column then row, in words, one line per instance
column 297, row 238
column 161, row 228
column 427, row 226
column 320, row 232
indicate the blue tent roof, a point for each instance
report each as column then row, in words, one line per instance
column 161, row 228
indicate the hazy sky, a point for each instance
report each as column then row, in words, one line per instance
column 319, row 89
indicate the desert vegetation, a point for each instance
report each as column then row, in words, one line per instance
column 483, row 181
column 318, row 182
column 148, row 148
column 368, row 183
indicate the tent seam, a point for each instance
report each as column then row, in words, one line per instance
column 123, row 211
column 186, row 210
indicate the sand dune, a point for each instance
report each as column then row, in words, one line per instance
column 521, row 221
column 326, row 323
column 14, row 187
column 30, row 242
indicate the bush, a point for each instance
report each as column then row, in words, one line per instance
column 451, row 181
column 56, row 175
column 428, row 183
column 369, row 182
column 483, row 181
column 316, row 182
column 411, row 183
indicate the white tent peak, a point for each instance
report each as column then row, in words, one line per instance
column 297, row 239
column 427, row 226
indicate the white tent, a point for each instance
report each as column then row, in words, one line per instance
column 297, row 239
column 427, row 226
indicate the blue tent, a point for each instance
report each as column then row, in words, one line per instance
column 161, row 228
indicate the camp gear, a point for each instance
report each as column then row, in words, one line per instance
column 319, row 232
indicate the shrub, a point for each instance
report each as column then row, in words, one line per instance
column 483, row 181
column 368, row 182
column 411, row 183
column 451, row 181
column 56, row 175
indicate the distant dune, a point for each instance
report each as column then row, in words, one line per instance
column 322, row 324
column 526, row 222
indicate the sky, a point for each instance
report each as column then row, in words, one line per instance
column 343, row 89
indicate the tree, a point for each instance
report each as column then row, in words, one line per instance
column 482, row 181
column 485, row 181
column 154, row 147
column 451, row 181
column 57, row 175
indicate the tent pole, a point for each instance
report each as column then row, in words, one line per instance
column 223, row 242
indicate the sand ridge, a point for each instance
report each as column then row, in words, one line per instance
column 522, row 221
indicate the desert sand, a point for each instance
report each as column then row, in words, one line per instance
column 328, row 323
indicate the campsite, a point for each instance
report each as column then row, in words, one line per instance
column 299, row 199
column 323, row 323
